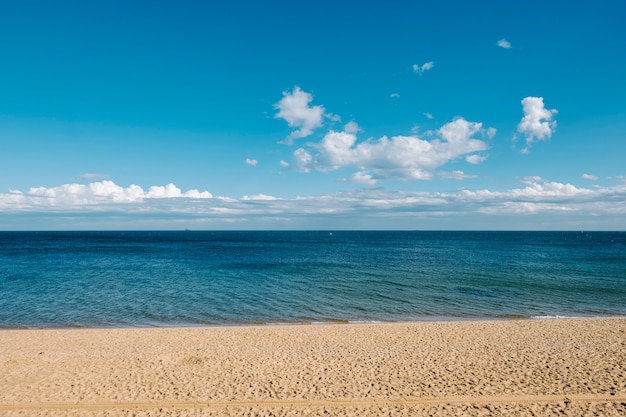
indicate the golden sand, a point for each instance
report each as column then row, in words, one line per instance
column 522, row 367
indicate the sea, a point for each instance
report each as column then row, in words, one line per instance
column 219, row 278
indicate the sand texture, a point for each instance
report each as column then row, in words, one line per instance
column 521, row 367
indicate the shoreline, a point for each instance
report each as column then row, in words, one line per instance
column 331, row 322
column 542, row 366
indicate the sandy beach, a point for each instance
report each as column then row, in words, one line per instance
column 519, row 367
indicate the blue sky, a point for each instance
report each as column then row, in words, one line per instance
column 324, row 115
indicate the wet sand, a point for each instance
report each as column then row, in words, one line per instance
column 518, row 367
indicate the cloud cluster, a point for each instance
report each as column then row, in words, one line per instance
column 420, row 69
column 92, row 194
column 294, row 108
column 537, row 123
column 535, row 199
column 398, row 157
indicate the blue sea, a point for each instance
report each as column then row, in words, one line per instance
column 189, row 278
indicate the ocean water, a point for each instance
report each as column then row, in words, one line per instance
column 126, row 279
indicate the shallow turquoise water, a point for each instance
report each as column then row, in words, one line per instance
column 94, row 279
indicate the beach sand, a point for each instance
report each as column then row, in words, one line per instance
column 519, row 367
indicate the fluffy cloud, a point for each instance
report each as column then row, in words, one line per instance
column 362, row 178
column 589, row 177
column 420, row 69
column 398, row 157
column 294, row 108
column 503, row 43
column 251, row 162
column 537, row 123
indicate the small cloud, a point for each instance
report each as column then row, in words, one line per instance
column 394, row 95
column 531, row 180
column 427, row 66
column 423, row 68
column 93, row 176
column 503, row 43
column 251, row 162
column 351, row 127
column 295, row 110
column 428, row 115
column 169, row 191
column 284, row 164
column 475, row 159
column 455, row 175
column 363, row 178
column 589, row 177
column 332, row 117
column 259, row 197
column 537, row 123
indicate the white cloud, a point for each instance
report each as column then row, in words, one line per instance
column 351, row 127
column 530, row 180
column 423, row 68
column 503, row 43
column 401, row 157
column 332, row 117
column 295, row 110
column 362, row 178
column 589, row 177
column 537, row 123
column 455, row 175
column 475, row 159
column 538, row 187
column 93, row 176
column 258, row 197
column 394, row 95
column 171, row 191
column 304, row 159
column 251, row 162
column 428, row 115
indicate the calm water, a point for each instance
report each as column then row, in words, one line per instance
column 59, row 279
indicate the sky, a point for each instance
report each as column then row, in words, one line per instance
column 326, row 115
